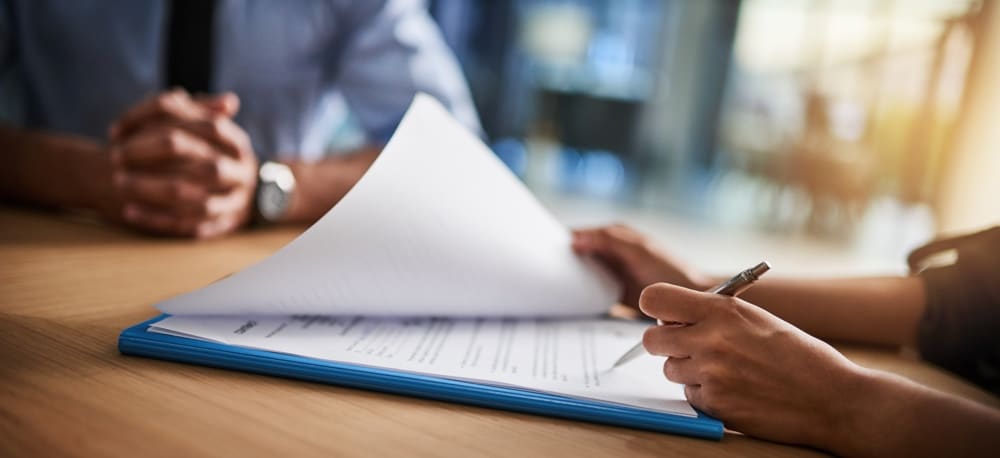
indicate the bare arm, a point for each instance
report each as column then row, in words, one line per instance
column 879, row 310
column 738, row 360
column 893, row 416
column 320, row 185
column 180, row 166
column 54, row 170
column 768, row 379
column 199, row 132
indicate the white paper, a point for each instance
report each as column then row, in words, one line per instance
column 437, row 226
column 571, row 357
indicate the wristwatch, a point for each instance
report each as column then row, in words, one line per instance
column 275, row 189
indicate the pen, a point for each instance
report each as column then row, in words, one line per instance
column 732, row 287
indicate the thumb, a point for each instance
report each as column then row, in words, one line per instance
column 671, row 303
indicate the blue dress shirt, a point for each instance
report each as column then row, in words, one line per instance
column 75, row 66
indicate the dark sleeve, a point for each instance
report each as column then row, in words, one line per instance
column 6, row 35
column 11, row 89
column 960, row 329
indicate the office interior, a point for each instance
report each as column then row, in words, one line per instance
column 856, row 129
column 839, row 134
column 827, row 137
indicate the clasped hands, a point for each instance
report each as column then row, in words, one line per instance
column 180, row 166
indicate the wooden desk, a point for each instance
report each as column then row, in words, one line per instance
column 69, row 286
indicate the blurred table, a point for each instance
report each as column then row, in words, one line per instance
column 69, row 285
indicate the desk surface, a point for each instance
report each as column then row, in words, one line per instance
column 68, row 286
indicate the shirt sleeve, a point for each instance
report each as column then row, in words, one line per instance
column 960, row 329
column 393, row 51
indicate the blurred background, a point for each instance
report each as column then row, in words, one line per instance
column 851, row 130
column 830, row 135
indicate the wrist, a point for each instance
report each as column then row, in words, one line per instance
column 93, row 177
column 859, row 402
column 273, row 192
column 321, row 184
column 298, row 207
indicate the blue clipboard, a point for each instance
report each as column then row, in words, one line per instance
column 137, row 341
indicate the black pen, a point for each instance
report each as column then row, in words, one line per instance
column 732, row 287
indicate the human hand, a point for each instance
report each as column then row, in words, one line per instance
column 634, row 260
column 182, row 167
column 758, row 374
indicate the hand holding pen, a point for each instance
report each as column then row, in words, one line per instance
column 732, row 287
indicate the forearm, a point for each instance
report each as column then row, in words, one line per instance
column 887, row 415
column 880, row 310
column 53, row 170
column 320, row 185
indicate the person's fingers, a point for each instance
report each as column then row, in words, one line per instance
column 158, row 221
column 590, row 240
column 222, row 132
column 215, row 132
column 696, row 398
column 175, row 104
column 161, row 190
column 177, row 150
column 216, row 174
column 227, row 103
column 617, row 242
column 215, row 227
column 176, row 195
column 675, row 341
column 681, row 370
column 671, row 303
column 587, row 242
column 224, row 205
column 155, row 146
column 581, row 239
column 220, row 172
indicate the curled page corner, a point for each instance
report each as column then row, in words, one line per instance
column 437, row 226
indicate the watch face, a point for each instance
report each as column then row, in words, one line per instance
column 272, row 201
column 276, row 184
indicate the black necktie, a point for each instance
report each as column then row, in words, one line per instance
column 189, row 45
